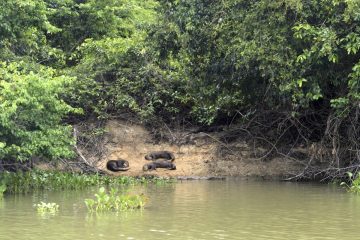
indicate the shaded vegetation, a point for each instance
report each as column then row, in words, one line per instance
column 287, row 71
column 353, row 183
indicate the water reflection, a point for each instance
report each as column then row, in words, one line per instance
column 193, row 210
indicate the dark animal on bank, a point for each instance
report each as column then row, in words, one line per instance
column 160, row 154
column 159, row 164
column 117, row 165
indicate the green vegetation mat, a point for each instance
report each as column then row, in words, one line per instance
column 23, row 182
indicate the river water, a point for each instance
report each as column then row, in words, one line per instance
column 228, row 209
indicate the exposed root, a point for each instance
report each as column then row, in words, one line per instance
column 325, row 144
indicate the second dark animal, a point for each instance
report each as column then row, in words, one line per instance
column 117, row 165
column 159, row 164
column 160, row 154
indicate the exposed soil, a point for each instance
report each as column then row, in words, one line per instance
column 197, row 154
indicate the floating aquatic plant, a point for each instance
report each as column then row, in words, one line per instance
column 22, row 182
column 113, row 201
column 43, row 207
column 2, row 190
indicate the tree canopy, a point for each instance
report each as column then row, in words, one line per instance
column 206, row 62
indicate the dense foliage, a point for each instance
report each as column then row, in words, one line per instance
column 32, row 112
column 294, row 63
column 287, row 54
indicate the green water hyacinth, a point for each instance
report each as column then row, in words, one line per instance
column 43, row 208
column 24, row 182
column 113, row 201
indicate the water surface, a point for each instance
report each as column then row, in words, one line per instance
column 193, row 210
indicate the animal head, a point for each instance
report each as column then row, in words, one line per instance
column 172, row 166
column 149, row 167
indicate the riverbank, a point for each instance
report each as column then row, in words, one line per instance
column 199, row 154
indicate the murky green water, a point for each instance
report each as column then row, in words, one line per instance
column 194, row 210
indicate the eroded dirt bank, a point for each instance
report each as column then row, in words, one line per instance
column 197, row 154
